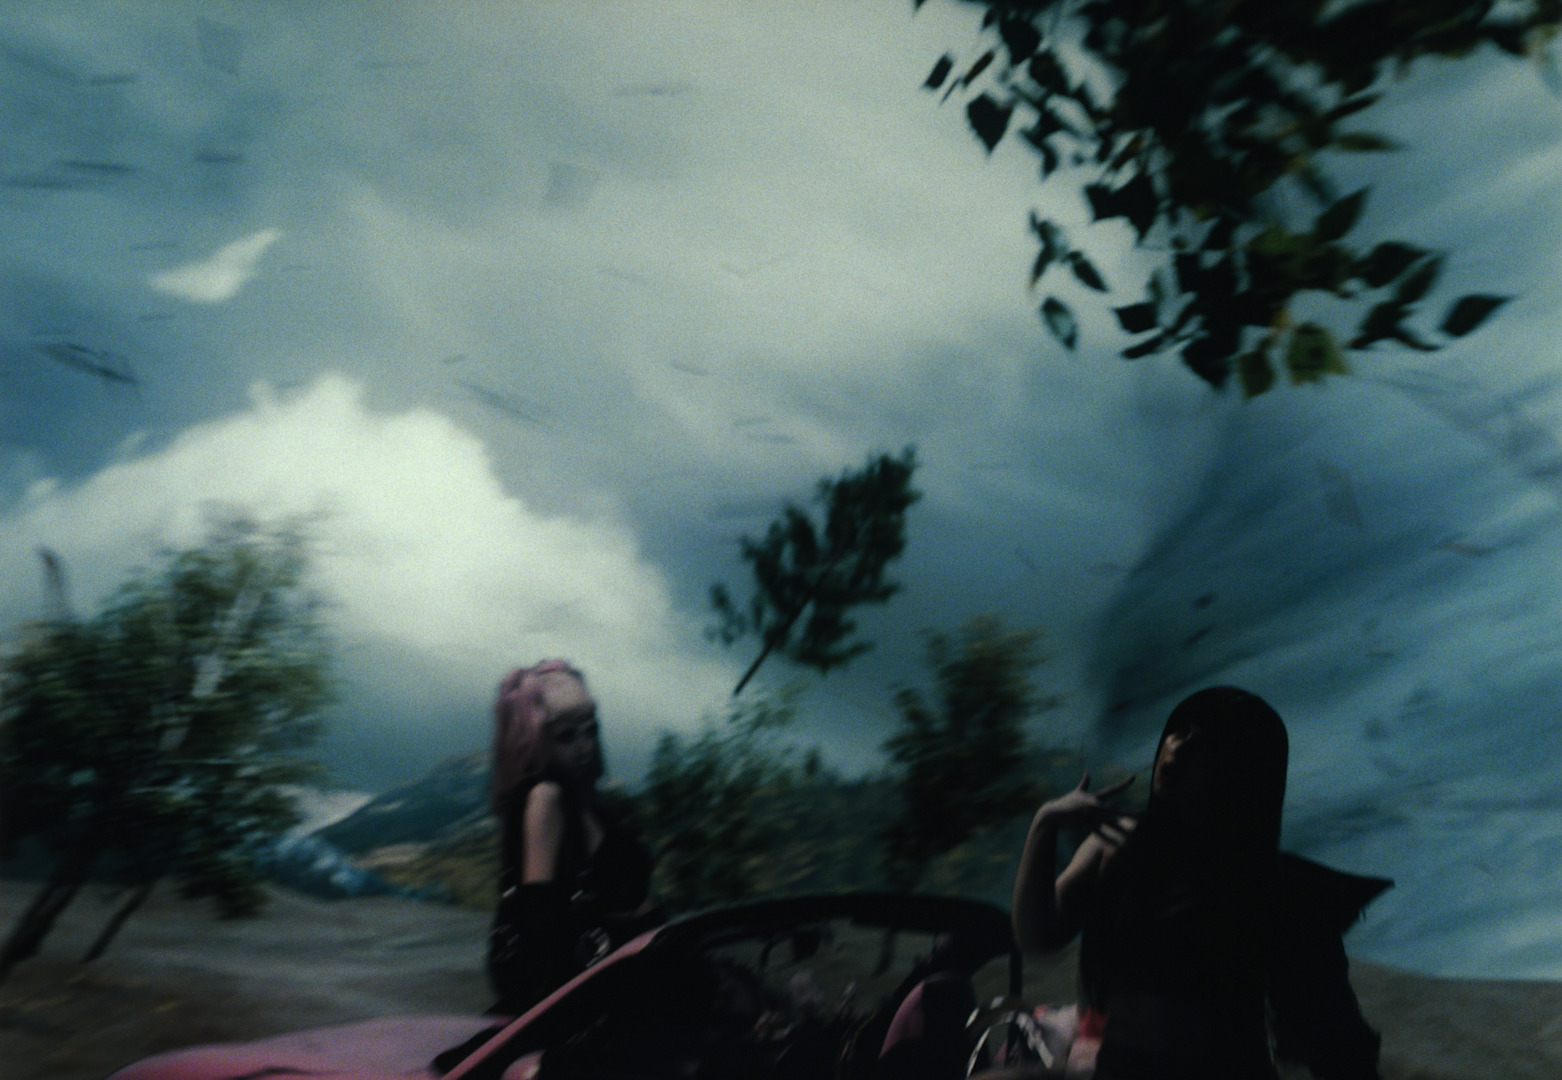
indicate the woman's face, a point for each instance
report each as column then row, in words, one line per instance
column 1183, row 765
column 571, row 728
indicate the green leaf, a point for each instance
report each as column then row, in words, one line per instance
column 1145, row 347
column 1060, row 321
column 1220, row 234
column 1414, row 285
column 1380, row 323
column 1278, row 244
column 1049, row 159
column 1039, row 267
column 1189, row 268
column 1135, row 200
column 1363, row 142
column 1130, row 149
column 940, row 72
column 1048, row 73
column 981, row 65
column 1136, row 318
column 1317, row 184
column 1338, row 219
column 988, row 119
column 1020, row 38
column 1469, row 312
column 1086, row 273
column 1507, row 37
column 1350, row 106
column 1053, row 246
column 1155, row 288
column 1313, row 354
column 1205, row 357
column 1405, row 336
column 1138, row 202
column 1256, row 374
column 1103, row 202
column 1386, row 262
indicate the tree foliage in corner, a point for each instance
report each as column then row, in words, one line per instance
column 825, row 569
column 701, row 804
column 958, row 761
column 154, row 739
column 1196, row 122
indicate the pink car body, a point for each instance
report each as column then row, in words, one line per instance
column 743, row 986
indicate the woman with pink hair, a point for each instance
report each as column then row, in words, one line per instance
column 573, row 883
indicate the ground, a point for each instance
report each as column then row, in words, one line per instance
column 178, row 975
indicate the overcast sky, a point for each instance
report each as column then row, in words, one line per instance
column 543, row 305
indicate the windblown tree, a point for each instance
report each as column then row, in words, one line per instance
column 959, row 756
column 823, row 569
column 1209, row 127
column 155, row 738
column 702, row 804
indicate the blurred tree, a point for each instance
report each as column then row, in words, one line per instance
column 959, row 762
column 701, row 804
column 155, row 737
column 1207, row 126
column 825, row 570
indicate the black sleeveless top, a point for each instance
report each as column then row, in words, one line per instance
column 617, row 875
column 545, row 933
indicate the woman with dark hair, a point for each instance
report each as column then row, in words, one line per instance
column 1180, row 911
column 573, row 883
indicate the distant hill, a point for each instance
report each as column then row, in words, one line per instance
column 451, row 796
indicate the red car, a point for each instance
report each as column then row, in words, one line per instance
column 791, row 989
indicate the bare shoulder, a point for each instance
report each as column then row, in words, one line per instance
column 544, row 799
column 544, row 828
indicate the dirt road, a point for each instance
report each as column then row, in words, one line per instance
column 177, row 975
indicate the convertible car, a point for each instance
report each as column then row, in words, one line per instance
column 793, row 989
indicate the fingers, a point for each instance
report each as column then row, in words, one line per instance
column 1081, row 808
column 1113, row 832
column 1106, row 792
column 1084, row 807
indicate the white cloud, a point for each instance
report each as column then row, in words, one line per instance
column 220, row 277
column 439, row 580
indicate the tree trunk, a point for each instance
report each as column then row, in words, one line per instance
column 36, row 922
column 138, row 897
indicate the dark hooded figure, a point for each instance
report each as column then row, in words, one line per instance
column 1180, row 911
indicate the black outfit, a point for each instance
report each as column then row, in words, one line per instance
column 1201, row 931
column 1317, row 1020
column 545, row 933
column 1199, row 993
column 1173, row 954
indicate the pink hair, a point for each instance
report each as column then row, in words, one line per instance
column 520, row 747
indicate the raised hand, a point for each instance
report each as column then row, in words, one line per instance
column 1082, row 808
